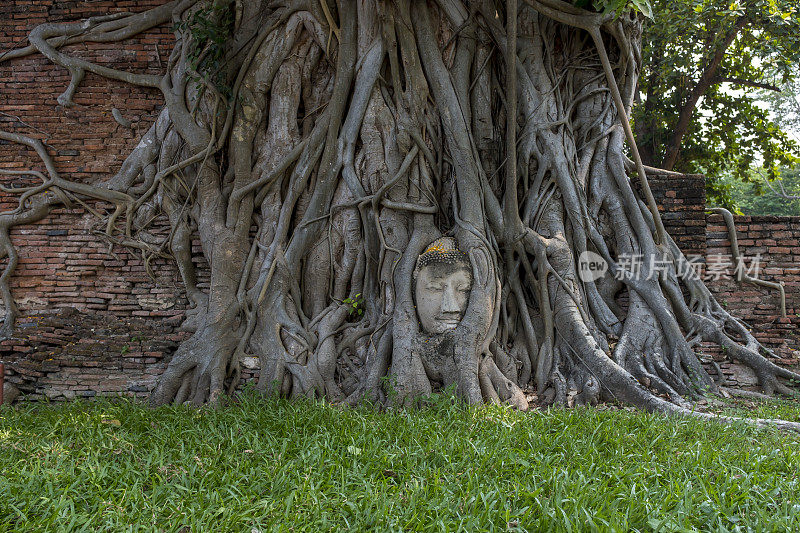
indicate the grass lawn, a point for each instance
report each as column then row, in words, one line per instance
column 305, row 466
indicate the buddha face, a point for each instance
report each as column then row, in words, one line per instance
column 442, row 294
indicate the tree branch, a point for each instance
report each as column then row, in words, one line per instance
column 703, row 84
column 748, row 83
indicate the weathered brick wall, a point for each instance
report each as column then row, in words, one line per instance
column 772, row 242
column 682, row 202
column 95, row 322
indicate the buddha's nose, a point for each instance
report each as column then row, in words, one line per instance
column 449, row 301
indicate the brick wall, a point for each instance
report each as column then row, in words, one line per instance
column 682, row 202
column 772, row 243
column 93, row 322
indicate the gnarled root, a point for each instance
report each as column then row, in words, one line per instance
column 342, row 141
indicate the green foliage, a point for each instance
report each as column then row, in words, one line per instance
column 785, row 105
column 731, row 125
column 644, row 7
column 210, row 27
column 617, row 6
column 356, row 304
column 755, row 197
column 265, row 465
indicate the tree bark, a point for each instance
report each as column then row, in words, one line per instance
column 328, row 146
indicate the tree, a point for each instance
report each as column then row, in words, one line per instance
column 762, row 191
column 761, row 196
column 327, row 154
column 705, row 70
column 785, row 105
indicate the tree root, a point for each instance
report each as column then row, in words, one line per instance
column 354, row 136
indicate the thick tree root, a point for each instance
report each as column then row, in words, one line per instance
column 741, row 275
column 344, row 139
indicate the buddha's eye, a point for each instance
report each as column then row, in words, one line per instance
column 435, row 288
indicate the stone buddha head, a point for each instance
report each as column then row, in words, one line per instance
column 443, row 281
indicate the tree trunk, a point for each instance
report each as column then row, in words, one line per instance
column 325, row 149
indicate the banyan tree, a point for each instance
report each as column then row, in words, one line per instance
column 393, row 197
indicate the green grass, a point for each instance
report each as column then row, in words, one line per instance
column 308, row 466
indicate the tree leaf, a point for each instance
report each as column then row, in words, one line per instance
column 644, row 7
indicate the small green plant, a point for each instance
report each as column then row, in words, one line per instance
column 356, row 304
column 210, row 27
column 444, row 399
column 389, row 385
